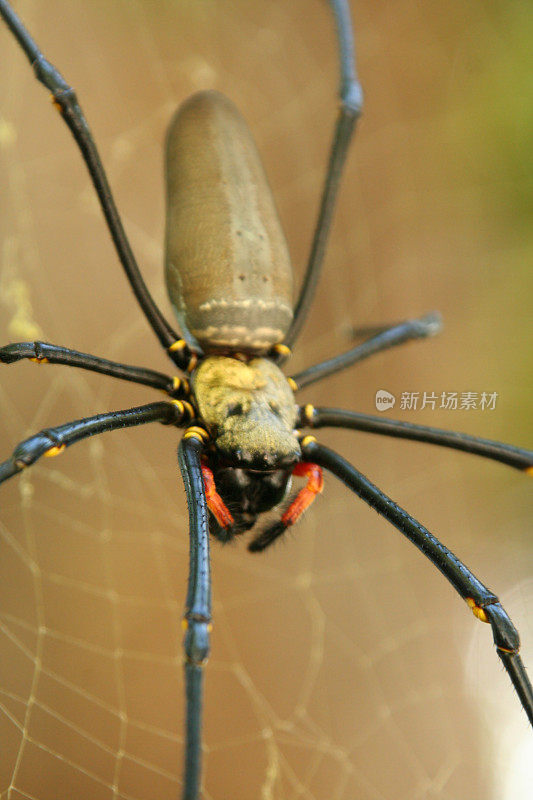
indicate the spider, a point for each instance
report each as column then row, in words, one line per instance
column 243, row 438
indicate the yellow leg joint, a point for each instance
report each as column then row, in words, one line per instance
column 185, row 625
column 292, row 383
column 42, row 360
column 191, row 366
column 181, row 383
column 307, row 440
column 189, row 408
column 529, row 470
column 309, row 413
column 477, row 611
column 282, row 350
column 197, row 433
column 181, row 344
column 184, row 407
column 55, row 451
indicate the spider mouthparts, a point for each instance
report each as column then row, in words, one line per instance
column 266, row 537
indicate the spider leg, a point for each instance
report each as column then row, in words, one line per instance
column 516, row 457
column 197, row 617
column 421, row 328
column 66, row 103
column 484, row 604
column 351, row 100
column 364, row 331
column 52, row 441
column 44, row 353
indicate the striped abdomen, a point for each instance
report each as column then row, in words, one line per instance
column 228, row 271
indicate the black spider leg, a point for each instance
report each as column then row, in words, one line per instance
column 44, row 353
column 363, row 331
column 52, row 441
column 65, row 101
column 197, row 617
column 484, row 604
column 351, row 101
column 421, row 328
column 517, row 457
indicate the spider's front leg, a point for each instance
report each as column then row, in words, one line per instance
column 484, row 603
column 197, row 616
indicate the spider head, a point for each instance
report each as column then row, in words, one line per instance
column 247, row 494
column 249, row 410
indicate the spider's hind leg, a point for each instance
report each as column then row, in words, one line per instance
column 66, row 102
column 351, row 102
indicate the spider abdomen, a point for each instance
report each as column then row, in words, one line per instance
column 228, row 270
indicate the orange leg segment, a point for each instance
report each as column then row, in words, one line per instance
column 301, row 502
column 214, row 501
column 304, row 498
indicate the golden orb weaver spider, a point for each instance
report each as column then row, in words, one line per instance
column 418, row 349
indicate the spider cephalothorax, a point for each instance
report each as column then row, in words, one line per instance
column 248, row 408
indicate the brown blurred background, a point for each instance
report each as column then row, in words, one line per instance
column 343, row 666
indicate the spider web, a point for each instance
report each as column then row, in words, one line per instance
column 342, row 665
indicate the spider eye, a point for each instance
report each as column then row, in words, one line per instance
column 234, row 410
